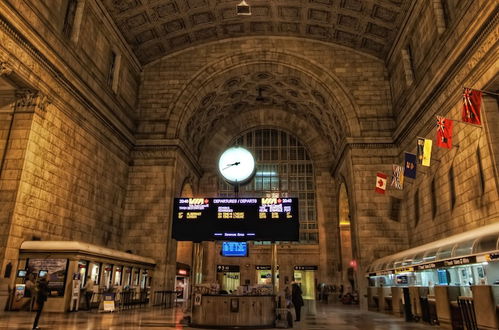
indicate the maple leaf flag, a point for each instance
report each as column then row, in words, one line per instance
column 381, row 183
column 472, row 100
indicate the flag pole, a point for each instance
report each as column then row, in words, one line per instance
column 464, row 122
column 483, row 91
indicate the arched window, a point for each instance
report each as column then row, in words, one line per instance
column 283, row 169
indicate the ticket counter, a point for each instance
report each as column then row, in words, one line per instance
column 454, row 280
column 68, row 263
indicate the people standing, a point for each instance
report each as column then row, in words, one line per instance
column 41, row 297
column 297, row 300
column 89, row 292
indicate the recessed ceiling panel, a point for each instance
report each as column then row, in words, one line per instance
column 366, row 25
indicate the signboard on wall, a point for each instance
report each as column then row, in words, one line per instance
column 235, row 219
column 227, row 268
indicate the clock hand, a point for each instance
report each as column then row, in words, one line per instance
column 229, row 165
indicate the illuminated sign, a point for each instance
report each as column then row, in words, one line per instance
column 306, row 268
column 404, row 270
column 235, row 219
column 234, row 249
column 460, row 261
column 265, row 267
column 227, row 268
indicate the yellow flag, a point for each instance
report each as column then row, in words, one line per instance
column 427, row 152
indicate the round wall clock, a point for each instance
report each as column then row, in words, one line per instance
column 237, row 165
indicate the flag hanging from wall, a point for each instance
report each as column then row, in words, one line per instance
column 424, row 151
column 397, row 177
column 444, row 132
column 381, row 183
column 410, row 165
column 472, row 100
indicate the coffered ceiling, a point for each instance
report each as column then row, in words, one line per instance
column 155, row 28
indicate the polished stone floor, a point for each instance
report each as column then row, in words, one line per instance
column 328, row 317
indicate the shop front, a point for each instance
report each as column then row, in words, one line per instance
column 264, row 275
column 305, row 276
column 182, row 282
column 229, row 277
column 68, row 264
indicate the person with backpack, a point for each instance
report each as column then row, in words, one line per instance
column 41, row 297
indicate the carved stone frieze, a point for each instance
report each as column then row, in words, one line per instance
column 31, row 101
column 5, row 69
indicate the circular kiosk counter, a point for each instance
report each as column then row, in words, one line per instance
column 219, row 311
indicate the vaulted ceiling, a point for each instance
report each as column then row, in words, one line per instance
column 155, row 28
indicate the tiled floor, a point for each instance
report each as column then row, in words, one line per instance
column 328, row 317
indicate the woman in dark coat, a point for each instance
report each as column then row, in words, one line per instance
column 297, row 299
column 41, row 297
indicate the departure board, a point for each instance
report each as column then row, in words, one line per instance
column 235, row 219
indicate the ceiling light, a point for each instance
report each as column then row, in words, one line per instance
column 243, row 8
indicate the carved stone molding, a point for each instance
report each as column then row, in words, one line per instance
column 31, row 101
column 5, row 69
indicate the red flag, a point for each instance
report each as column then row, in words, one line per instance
column 444, row 132
column 472, row 101
column 381, row 183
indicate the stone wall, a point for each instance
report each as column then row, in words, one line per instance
column 156, row 176
column 462, row 54
column 66, row 162
column 362, row 77
column 173, row 86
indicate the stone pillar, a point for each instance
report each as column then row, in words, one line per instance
column 327, row 221
column 15, row 135
column 371, row 226
column 147, row 232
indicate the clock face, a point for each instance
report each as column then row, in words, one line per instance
column 236, row 165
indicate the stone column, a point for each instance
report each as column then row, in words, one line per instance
column 15, row 132
column 374, row 235
column 147, row 232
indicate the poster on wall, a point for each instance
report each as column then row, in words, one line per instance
column 56, row 270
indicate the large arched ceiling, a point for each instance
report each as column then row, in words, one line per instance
column 155, row 28
column 271, row 86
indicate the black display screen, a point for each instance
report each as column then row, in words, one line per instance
column 235, row 219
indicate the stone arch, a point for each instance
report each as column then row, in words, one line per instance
column 265, row 117
column 211, row 77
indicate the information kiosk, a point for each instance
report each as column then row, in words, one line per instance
column 236, row 221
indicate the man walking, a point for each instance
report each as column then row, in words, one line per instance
column 41, row 297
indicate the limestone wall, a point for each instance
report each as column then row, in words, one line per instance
column 363, row 78
column 66, row 161
column 462, row 52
